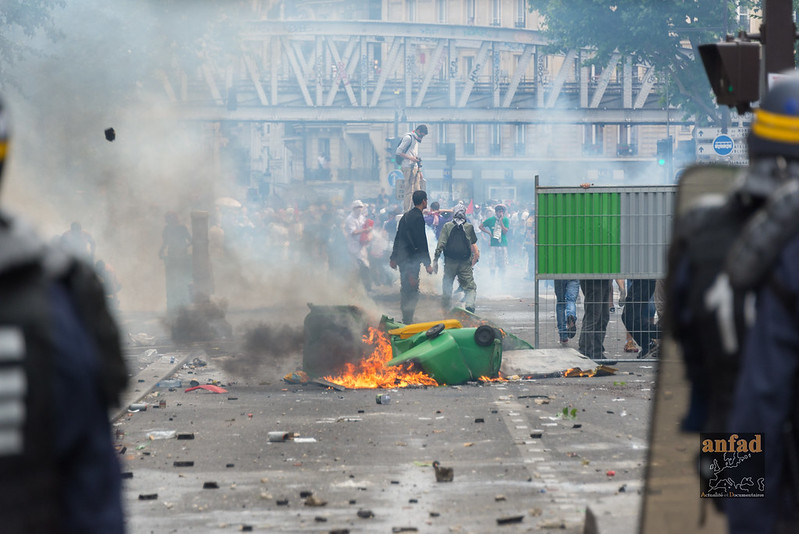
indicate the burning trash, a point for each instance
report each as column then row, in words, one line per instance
column 340, row 349
column 373, row 371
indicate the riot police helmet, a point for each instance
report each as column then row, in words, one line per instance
column 775, row 128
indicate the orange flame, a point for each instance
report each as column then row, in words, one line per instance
column 372, row 373
column 601, row 370
column 500, row 378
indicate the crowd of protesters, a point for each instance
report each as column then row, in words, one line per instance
column 328, row 234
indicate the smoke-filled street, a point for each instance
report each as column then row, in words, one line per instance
column 376, row 265
column 525, row 454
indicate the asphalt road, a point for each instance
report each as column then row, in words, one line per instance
column 361, row 458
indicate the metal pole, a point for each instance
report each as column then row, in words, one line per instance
column 537, row 321
column 778, row 36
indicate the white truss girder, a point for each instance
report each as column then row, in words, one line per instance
column 400, row 67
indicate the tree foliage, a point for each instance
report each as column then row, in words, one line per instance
column 661, row 33
column 21, row 21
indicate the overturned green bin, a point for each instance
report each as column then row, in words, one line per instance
column 456, row 355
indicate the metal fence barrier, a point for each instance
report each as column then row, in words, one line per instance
column 602, row 234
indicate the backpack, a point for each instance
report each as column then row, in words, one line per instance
column 457, row 246
column 397, row 158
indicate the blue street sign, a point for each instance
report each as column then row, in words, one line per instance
column 723, row 145
column 394, row 177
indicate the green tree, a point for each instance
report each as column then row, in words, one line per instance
column 22, row 21
column 662, row 33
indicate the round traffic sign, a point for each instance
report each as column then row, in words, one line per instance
column 723, row 145
column 393, row 177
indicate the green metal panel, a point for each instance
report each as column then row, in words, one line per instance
column 578, row 233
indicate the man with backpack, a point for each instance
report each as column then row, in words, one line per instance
column 407, row 157
column 458, row 243
column 732, row 304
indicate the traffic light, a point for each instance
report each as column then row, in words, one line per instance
column 664, row 151
column 391, row 149
column 733, row 69
column 448, row 150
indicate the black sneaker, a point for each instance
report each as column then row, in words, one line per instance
column 571, row 326
column 470, row 309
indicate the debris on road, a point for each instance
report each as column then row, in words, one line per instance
column 208, row 387
column 297, row 377
column 161, row 434
column 510, row 520
column 148, row 496
column 278, row 436
column 443, row 474
column 365, row 514
column 183, row 463
column 141, row 339
column 314, row 501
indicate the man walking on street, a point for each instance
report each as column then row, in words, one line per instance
column 458, row 243
column 411, row 164
column 410, row 250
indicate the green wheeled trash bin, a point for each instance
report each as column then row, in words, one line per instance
column 454, row 356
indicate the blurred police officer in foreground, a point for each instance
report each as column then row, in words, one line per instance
column 765, row 261
column 61, row 369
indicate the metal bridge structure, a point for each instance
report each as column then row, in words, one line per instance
column 502, row 102
column 331, row 71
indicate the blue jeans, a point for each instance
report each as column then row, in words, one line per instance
column 566, row 292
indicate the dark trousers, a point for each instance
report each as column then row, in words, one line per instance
column 409, row 289
column 636, row 316
column 596, row 317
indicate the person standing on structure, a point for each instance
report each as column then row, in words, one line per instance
column 411, row 250
column 407, row 154
column 458, row 243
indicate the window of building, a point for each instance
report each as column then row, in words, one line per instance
column 521, row 139
column 496, row 139
column 742, row 14
column 468, row 139
column 521, row 13
column 324, row 146
column 470, row 14
column 375, row 9
column 411, row 14
column 625, row 144
column 441, row 11
column 441, row 138
column 593, row 139
column 496, row 12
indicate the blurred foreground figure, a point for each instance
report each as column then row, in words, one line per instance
column 733, row 305
column 61, row 369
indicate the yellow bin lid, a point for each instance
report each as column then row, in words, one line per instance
column 412, row 329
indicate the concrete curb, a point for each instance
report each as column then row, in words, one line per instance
column 144, row 382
